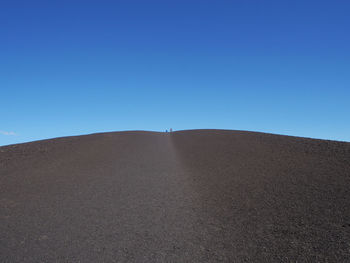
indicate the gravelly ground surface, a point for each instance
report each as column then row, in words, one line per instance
column 187, row 196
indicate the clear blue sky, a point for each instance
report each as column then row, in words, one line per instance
column 74, row 67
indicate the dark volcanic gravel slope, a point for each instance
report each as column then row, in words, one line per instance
column 187, row 196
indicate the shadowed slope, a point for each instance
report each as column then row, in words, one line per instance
column 188, row 196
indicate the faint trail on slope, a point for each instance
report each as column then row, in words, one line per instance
column 190, row 196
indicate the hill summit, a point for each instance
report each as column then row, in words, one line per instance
column 185, row 196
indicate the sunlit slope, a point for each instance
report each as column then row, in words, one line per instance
column 187, row 196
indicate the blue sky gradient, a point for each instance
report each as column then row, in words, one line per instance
column 76, row 67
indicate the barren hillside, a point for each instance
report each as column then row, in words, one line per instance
column 187, row 196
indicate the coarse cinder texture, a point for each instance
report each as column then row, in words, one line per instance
column 186, row 196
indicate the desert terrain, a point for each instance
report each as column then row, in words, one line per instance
column 185, row 196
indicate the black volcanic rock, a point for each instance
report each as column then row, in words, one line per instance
column 186, row 196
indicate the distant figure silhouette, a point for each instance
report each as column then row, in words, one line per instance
column 166, row 130
column 171, row 129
